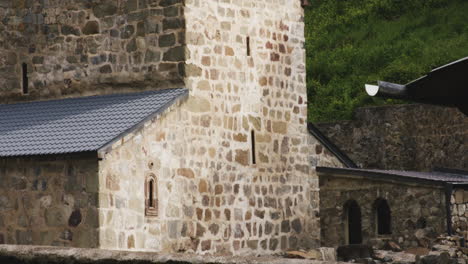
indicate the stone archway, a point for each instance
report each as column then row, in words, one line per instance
column 353, row 222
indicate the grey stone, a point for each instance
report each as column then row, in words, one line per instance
column 151, row 25
column 171, row 11
column 132, row 45
column 167, row 40
column 55, row 217
column 105, row 69
column 296, row 225
column 23, row 237
column 173, row 229
column 131, row 5
column 175, row 54
column 173, row 23
column 152, row 56
column 127, row 31
column 105, row 8
column 69, row 30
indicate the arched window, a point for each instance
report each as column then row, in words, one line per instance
column 383, row 217
column 151, row 196
column 353, row 222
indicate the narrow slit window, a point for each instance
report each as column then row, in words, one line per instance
column 25, row 78
column 248, row 45
column 151, row 196
column 151, row 193
column 252, row 136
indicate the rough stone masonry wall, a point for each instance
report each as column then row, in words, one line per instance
column 75, row 47
column 212, row 198
column 459, row 209
column 49, row 201
column 408, row 203
column 403, row 137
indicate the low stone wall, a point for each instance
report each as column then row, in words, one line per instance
column 49, row 201
column 54, row 255
column 403, row 137
column 417, row 210
column 459, row 210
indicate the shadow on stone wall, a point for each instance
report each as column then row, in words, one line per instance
column 403, row 137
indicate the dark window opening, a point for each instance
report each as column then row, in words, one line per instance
column 421, row 223
column 151, row 193
column 248, row 46
column 353, row 222
column 25, row 78
column 384, row 217
column 151, row 196
column 252, row 136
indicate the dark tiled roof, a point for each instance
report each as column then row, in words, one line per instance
column 76, row 125
column 436, row 176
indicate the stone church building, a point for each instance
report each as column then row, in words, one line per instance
column 157, row 125
column 163, row 126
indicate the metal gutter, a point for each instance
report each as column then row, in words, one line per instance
column 328, row 144
column 445, row 86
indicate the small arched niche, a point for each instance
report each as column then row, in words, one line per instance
column 151, row 195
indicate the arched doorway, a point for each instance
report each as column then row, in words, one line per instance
column 353, row 223
column 383, row 217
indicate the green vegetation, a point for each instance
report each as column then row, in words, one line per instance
column 353, row 42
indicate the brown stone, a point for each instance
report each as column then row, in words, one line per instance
column 227, row 214
column 91, row 28
column 185, row 172
column 218, row 189
column 242, row 157
column 228, row 51
column 199, row 213
column 207, row 215
column 280, row 127
column 240, row 137
column 203, row 186
column 206, row 61
column 200, row 230
column 204, row 85
column 260, row 214
column 459, row 197
column 206, row 245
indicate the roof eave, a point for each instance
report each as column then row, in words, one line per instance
column 106, row 148
column 330, row 146
column 379, row 176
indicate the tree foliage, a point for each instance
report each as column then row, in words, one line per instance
column 353, row 42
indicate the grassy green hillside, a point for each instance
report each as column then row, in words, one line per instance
column 353, row 42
